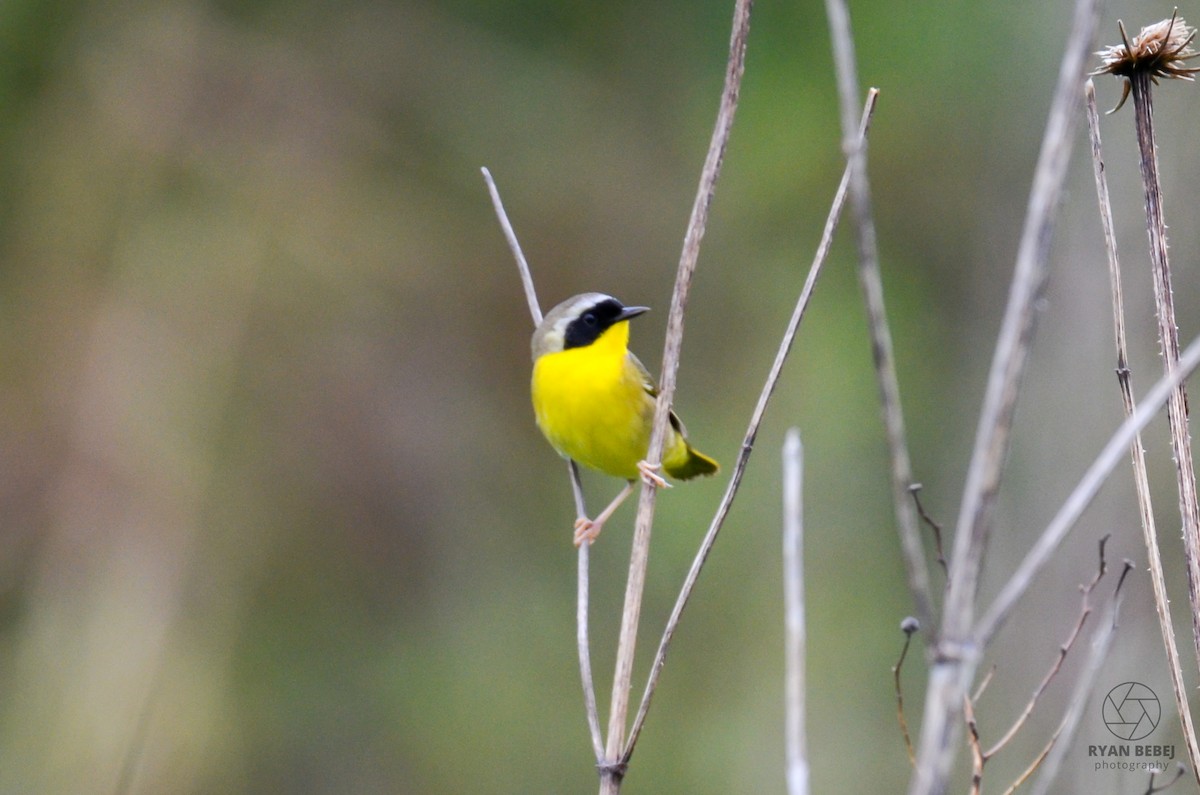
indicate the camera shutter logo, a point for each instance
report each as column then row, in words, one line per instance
column 1131, row 711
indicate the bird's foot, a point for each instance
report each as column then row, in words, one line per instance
column 586, row 530
column 650, row 475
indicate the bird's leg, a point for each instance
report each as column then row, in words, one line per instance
column 650, row 475
column 588, row 529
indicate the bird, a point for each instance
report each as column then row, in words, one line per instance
column 594, row 400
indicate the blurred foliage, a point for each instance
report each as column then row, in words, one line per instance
column 276, row 515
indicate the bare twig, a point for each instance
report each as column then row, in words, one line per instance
column 954, row 662
column 977, row 759
column 616, row 750
column 915, row 491
column 1050, row 760
column 1035, row 764
column 1141, row 82
column 793, row 600
column 581, row 624
column 522, row 265
column 585, row 657
column 1140, row 477
column 980, row 757
column 871, row 282
column 1084, row 492
column 908, row 626
column 983, row 684
column 1012, row 347
column 739, row 467
column 581, row 607
column 1162, row 50
column 1180, row 772
column 1071, row 717
column 1085, row 610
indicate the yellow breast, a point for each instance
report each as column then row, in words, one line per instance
column 592, row 405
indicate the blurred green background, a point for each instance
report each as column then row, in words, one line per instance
column 276, row 517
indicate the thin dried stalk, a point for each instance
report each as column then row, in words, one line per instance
column 982, row 687
column 871, row 283
column 955, row 660
column 1085, row 610
column 756, row 417
column 934, row 526
column 1140, row 477
column 793, row 600
column 581, row 608
column 616, row 752
column 1082, row 495
column 1158, row 51
column 980, row 757
column 1151, row 788
column 1050, row 760
column 581, row 624
column 1012, row 348
column 1177, row 408
column 908, row 626
column 977, row 759
column 535, row 309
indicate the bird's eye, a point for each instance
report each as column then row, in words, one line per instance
column 589, row 318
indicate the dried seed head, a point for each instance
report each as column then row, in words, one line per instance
column 1159, row 50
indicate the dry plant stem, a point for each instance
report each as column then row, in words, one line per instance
column 793, row 600
column 908, row 747
column 585, row 658
column 581, row 624
column 1085, row 610
column 1180, row 772
column 983, row 684
column 871, row 283
column 613, row 768
column 979, row 757
column 1168, row 333
column 977, row 760
column 1012, row 347
column 1138, row 454
column 1050, row 760
column 522, row 265
column 1079, row 499
column 581, row 608
column 915, row 491
column 739, row 467
column 954, row 660
column 1035, row 764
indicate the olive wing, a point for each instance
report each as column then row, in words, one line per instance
column 652, row 390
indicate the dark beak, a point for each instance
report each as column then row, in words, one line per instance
column 632, row 311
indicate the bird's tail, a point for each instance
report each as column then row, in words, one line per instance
column 695, row 464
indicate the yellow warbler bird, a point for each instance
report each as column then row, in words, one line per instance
column 594, row 400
